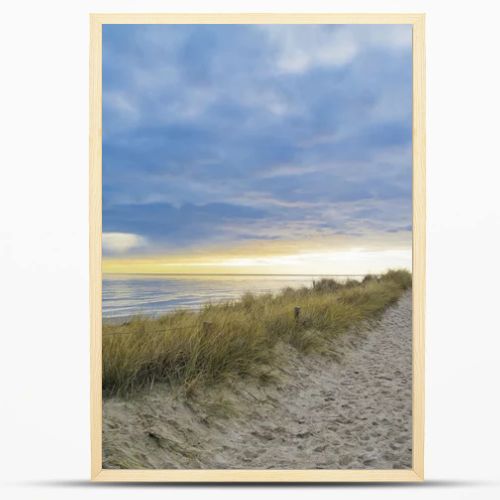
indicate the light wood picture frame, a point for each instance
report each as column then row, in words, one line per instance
column 98, row 473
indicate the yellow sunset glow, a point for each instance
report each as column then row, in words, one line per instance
column 342, row 256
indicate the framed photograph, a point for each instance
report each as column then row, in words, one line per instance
column 257, row 247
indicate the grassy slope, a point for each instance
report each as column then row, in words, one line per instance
column 178, row 348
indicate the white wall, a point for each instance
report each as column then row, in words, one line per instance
column 44, row 368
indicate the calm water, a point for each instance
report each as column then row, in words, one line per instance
column 127, row 295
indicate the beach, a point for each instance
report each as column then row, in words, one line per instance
column 126, row 295
column 348, row 410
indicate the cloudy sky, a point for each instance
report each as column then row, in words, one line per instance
column 256, row 148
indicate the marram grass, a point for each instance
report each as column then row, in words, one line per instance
column 193, row 347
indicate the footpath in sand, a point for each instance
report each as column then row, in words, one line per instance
column 353, row 412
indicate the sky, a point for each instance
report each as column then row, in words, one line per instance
column 257, row 148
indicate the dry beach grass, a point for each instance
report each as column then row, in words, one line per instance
column 189, row 348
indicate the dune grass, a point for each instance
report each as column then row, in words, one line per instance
column 192, row 347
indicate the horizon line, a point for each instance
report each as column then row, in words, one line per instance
column 240, row 274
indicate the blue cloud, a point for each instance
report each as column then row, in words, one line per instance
column 208, row 125
column 166, row 224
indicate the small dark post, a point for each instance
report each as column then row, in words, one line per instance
column 207, row 326
column 296, row 313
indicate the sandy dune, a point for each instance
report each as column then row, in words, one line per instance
column 350, row 413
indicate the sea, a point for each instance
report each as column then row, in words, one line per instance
column 126, row 295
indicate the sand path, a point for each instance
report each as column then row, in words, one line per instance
column 352, row 413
